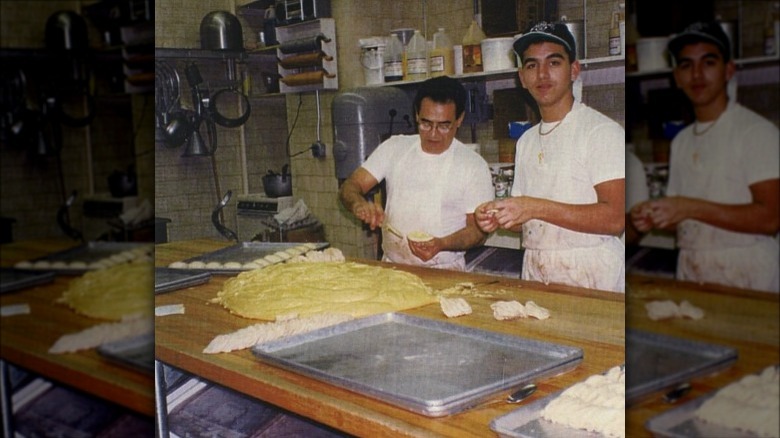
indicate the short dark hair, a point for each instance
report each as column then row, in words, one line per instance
column 442, row 89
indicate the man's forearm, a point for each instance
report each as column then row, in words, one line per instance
column 597, row 218
column 465, row 238
column 743, row 218
column 350, row 195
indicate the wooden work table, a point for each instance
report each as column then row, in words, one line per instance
column 26, row 339
column 746, row 320
column 591, row 320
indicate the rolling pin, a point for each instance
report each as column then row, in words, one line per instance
column 307, row 44
column 306, row 78
column 305, row 60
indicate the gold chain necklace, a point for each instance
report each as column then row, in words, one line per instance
column 541, row 143
column 698, row 133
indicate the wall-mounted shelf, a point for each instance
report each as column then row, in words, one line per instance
column 307, row 56
column 616, row 62
column 758, row 61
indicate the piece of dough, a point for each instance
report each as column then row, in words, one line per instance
column 283, row 255
column 59, row 264
column 78, row 264
column 309, row 288
column 101, row 334
column 273, row 258
column 596, row 405
column 662, row 310
column 419, row 236
column 250, row 266
column 261, row 262
column 504, row 310
column 178, row 265
column 233, row 265
column 294, row 251
column 197, row 264
column 25, row 264
column 691, row 311
column 42, row 264
column 751, row 404
column 454, row 307
column 254, row 334
column 112, row 293
column 214, row 265
column 536, row 311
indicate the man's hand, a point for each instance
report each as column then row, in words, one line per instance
column 640, row 217
column 426, row 250
column 485, row 217
column 370, row 213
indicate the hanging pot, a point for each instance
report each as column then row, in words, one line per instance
column 276, row 185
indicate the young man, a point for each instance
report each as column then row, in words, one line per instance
column 434, row 183
column 568, row 197
column 723, row 195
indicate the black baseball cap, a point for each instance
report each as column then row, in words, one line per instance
column 708, row 32
column 553, row 32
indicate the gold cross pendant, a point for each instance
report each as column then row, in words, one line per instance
column 696, row 157
column 541, row 157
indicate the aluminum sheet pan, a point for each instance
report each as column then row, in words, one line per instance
column 430, row 367
column 136, row 352
column 167, row 279
column 657, row 362
column 526, row 422
column 681, row 422
column 16, row 279
column 244, row 252
column 88, row 253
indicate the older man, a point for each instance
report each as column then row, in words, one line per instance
column 434, row 183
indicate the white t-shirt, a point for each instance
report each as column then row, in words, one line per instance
column 636, row 181
column 739, row 149
column 565, row 165
column 429, row 192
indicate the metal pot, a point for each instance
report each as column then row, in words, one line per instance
column 221, row 30
column 276, row 185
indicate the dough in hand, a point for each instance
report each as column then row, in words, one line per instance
column 419, row 236
column 454, row 307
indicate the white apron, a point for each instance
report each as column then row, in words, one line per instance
column 414, row 204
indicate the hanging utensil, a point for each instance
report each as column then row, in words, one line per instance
column 223, row 230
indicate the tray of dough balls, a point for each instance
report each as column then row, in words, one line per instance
column 89, row 256
column 594, row 407
column 246, row 256
column 747, row 407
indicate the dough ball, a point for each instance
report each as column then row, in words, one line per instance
column 42, row 264
column 233, row 265
column 419, row 236
column 197, row 264
column 25, row 264
column 214, row 265
column 273, row 258
column 78, row 264
column 178, row 265
column 283, row 255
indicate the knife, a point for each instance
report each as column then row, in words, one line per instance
column 521, row 394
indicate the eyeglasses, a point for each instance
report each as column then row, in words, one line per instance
column 427, row 125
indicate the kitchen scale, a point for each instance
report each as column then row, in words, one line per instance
column 254, row 211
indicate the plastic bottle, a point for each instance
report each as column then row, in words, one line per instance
column 472, row 48
column 416, row 57
column 442, row 61
column 393, row 59
column 614, row 32
column 501, row 185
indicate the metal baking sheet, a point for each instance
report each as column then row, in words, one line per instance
column 527, row 422
column 167, row 279
column 657, row 362
column 16, row 279
column 430, row 367
column 88, row 253
column 245, row 252
column 136, row 352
